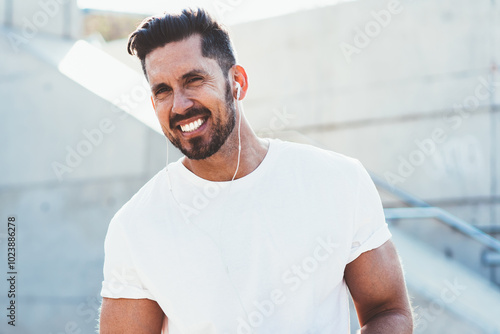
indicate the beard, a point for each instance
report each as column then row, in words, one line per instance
column 221, row 129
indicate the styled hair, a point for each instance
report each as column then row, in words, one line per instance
column 157, row 31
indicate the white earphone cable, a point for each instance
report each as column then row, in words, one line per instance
column 240, row 115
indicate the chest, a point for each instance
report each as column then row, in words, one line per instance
column 258, row 254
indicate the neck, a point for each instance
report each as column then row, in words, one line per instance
column 222, row 165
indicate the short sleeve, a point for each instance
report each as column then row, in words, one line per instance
column 121, row 279
column 370, row 229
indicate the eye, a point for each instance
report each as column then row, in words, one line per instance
column 194, row 80
column 161, row 90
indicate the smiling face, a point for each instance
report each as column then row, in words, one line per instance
column 192, row 98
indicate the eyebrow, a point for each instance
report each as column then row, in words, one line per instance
column 189, row 74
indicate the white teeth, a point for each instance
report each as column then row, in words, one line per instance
column 192, row 126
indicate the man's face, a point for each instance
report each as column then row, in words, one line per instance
column 192, row 98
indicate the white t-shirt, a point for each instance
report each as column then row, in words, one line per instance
column 265, row 253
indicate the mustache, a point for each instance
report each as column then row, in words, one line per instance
column 193, row 112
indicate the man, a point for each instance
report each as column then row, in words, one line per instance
column 243, row 234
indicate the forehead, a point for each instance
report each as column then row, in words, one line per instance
column 174, row 59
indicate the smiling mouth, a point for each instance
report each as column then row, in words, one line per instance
column 193, row 126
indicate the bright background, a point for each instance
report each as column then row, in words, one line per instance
column 247, row 10
column 410, row 88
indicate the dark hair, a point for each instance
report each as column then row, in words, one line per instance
column 155, row 32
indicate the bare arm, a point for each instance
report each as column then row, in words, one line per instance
column 377, row 286
column 130, row 316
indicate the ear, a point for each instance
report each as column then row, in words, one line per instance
column 239, row 76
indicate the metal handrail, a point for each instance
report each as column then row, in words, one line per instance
column 401, row 194
column 447, row 218
column 421, row 209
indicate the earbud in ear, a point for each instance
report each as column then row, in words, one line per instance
column 238, row 91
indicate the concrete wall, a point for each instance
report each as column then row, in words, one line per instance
column 387, row 91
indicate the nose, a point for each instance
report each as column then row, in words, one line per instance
column 181, row 102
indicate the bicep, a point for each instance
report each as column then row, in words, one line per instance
column 375, row 280
column 130, row 316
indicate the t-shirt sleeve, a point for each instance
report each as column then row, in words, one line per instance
column 370, row 229
column 121, row 278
